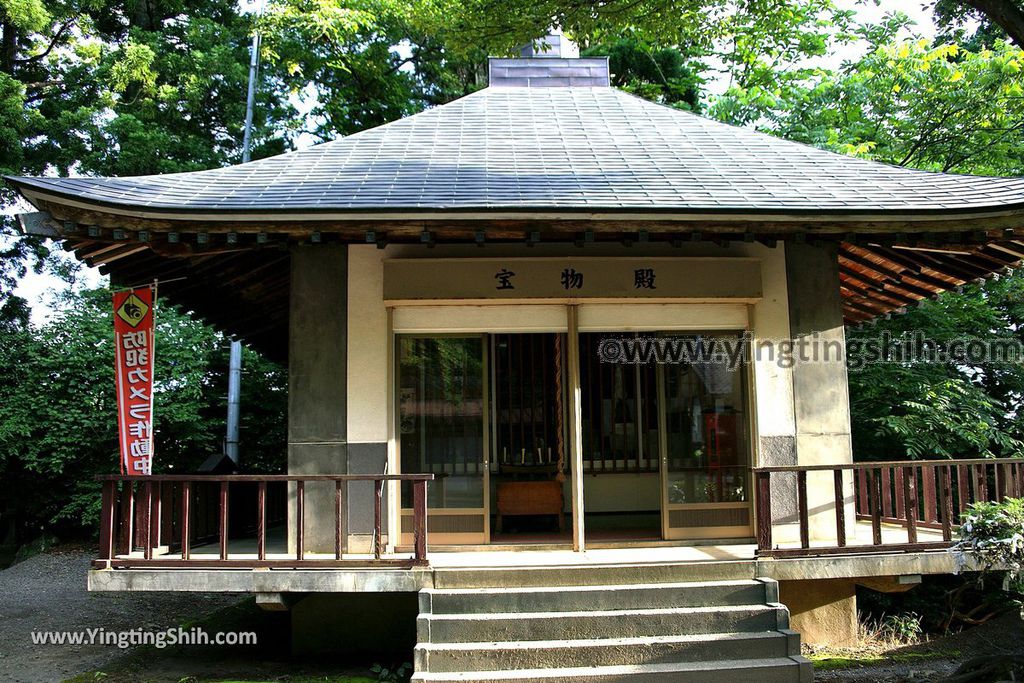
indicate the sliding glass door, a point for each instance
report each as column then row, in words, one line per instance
column 664, row 448
column 442, row 430
column 707, row 446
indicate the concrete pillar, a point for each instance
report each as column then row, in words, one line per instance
column 821, row 403
column 369, row 389
column 773, row 388
column 317, row 353
column 824, row 611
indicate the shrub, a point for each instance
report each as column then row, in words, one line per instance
column 992, row 535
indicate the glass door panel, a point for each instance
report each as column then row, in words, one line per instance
column 707, row 447
column 441, row 431
column 620, row 444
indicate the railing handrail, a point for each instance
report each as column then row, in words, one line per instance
column 133, row 514
column 874, row 464
column 263, row 477
column 912, row 494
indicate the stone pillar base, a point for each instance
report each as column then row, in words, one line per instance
column 824, row 611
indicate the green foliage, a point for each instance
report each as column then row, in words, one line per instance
column 902, row 101
column 942, row 410
column 58, row 428
column 663, row 75
column 367, row 63
column 992, row 535
column 948, row 419
column 392, row 674
column 902, row 628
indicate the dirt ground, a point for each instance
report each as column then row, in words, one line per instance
column 47, row 593
column 934, row 660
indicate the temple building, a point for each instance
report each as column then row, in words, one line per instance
column 487, row 456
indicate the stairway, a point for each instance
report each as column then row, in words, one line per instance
column 660, row 630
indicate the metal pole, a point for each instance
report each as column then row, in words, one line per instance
column 234, row 394
column 235, row 357
column 250, row 100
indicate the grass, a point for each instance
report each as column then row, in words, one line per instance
column 99, row 677
column 826, row 661
column 342, row 679
column 880, row 642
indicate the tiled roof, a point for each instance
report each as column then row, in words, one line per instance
column 570, row 148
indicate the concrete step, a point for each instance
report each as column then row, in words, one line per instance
column 592, row 575
column 792, row 669
column 539, row 654
column 588, row 598
column 623, row 623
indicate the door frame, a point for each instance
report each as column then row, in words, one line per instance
column 669, row 533
column 455, row 538
column 475, row 322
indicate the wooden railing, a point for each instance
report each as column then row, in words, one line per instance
column 236, row 520
column 911, row 505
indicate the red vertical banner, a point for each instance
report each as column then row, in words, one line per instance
column 133, row 357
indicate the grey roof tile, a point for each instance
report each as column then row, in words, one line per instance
column 552, row 148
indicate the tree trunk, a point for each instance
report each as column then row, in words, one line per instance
column 1007, row 14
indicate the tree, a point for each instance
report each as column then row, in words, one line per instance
column 934, row 106
column 912, row 104
column 1007, row 15
column 59, row 428
column 665, row 75
column 117, row 88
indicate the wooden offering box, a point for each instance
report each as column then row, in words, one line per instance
column 530, row 498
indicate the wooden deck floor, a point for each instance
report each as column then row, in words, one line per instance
column 557, row 554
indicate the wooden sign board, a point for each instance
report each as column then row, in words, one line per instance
column 515, row 279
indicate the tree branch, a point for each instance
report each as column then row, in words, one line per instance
column 1007, row 14
column 53, row 43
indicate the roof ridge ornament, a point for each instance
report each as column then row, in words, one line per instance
column 553, row 60
column 554, row 44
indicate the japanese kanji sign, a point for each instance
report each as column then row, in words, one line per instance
column 574, row 278
column 133, row 354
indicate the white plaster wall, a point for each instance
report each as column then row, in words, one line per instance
column 769, row 319
column 367, row 346
column 771, row 385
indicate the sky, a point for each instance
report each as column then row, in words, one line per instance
column 38, row 289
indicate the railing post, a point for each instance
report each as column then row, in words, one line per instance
column 223, row 513
column 886, row 473
column 910, row 502
column 107, row 502
column 840, row 499
column 300, row 520
column 801, row 496
column 419, row 519
column 962, row 484
column 127, row 516
column 875, row 499
column 144, row 520
column 155, row 514
column 900, row 511
column 981, row 483
column 862, row 492
column 378, row 494
column 340, row 533
column 764, row 511
column 928, row 492
column 261, row 521
column 186, row 519
column 945, row 503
